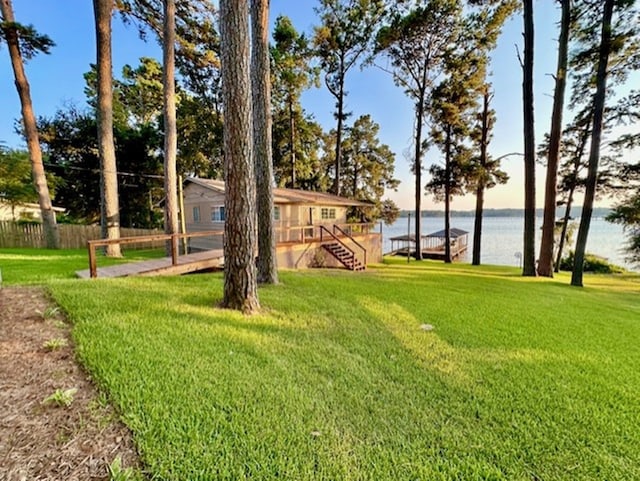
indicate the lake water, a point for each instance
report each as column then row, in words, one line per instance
column 502, row 238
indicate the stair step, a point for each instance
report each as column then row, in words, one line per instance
column 344, row 256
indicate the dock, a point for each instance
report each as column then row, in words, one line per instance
column 432, row 245
column 434, row 254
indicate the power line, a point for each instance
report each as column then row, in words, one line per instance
column 97, row 171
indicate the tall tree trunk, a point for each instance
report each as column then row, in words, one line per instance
column 292, row 141
column 565, row 227
column 447, row 198
column 354, row 184
column 263, row 158
column 417, row 163
column 484, row 143
column 596, row 138
column 545, row 261
column 338, row 161
column 51, row 233
column 103, row 10
column 567, row 214
column 529, row 262
column 240, row 247
column 170, row 130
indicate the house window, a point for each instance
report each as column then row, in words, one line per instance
column 217, row 214
column 196, row 214
column 326, row 213
column 276, row 212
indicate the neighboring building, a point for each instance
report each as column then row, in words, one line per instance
column 28, row 210
column 298, row 215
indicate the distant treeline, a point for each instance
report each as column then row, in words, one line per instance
column 575, row 213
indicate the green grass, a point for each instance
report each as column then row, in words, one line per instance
column 521, row 379
column 38, row 266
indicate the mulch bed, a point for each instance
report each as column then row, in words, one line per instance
column 44, row 441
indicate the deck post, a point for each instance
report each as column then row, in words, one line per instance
column 93, row 266
column 174, row 249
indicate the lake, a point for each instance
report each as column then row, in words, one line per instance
column 502, row 238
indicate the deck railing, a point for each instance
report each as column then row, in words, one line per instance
column 172, row 239
column 307, row 234
column 310, row 233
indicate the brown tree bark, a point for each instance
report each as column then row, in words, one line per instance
column 292, row 141
column 447, row 199
column 567, row 213
column 240, row 247
column 263, row 157
column 51, row 233
column 337, row 183
column 170, row 130
column 596, row 139
column 110, row 207
column 528, row 254
column 484, row 143
column 545, row 261
column 417, row 163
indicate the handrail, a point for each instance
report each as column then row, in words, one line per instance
column 365, row 227
column 337, row 239
column 92, row 244
column 364, row 250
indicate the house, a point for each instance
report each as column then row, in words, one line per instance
column 27, row 211
column 305, row 221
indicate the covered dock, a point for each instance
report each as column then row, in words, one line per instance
column 432, row 245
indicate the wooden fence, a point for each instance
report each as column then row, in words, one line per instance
column 72, row 236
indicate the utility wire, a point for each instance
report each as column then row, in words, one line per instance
column 97, row 171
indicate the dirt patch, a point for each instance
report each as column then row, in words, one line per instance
column 47, row 441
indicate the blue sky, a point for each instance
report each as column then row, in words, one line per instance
column 57, row 80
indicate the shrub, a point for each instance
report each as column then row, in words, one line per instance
column 592, row 263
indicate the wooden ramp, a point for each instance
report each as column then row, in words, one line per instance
column 198, row 261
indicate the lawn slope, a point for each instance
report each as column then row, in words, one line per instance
column 338, row 379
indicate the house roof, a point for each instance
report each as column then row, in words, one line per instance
column 30, row 205
column 288, row 196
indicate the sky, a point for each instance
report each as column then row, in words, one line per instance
column 57, row 80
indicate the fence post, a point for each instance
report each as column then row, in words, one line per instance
column 93, row 267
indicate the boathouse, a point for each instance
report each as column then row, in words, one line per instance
column 432, row 245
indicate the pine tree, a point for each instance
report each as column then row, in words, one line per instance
column 415, row 41
column 169, row 110
column 110, row 209
column 262, row 153
column 343, row 38
column 240, row 246
column 545, row 260
column 23, row 43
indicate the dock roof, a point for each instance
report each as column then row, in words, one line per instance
column 454, row 233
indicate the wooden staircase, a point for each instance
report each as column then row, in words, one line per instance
column 341, row 251
column 346, row 256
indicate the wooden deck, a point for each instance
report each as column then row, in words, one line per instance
column 198, row 261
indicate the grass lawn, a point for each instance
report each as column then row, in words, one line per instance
column 520, row 379
column 38, row 266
